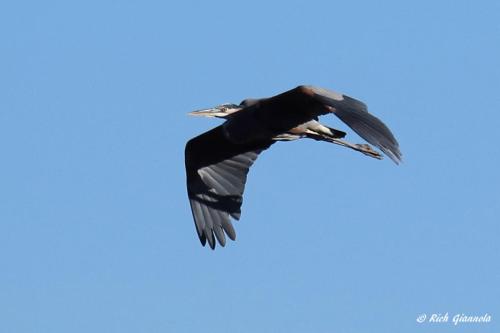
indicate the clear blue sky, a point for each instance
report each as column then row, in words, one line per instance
column 96, row 233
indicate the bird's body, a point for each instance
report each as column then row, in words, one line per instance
column 217, row 162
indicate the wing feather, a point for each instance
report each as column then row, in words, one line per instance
column 355, row 114
column 297, row 106
column 216, row 172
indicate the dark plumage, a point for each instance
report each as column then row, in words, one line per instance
column 217, row 162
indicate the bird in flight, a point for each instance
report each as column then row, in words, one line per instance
column 217, row 161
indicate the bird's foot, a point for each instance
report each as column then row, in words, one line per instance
column 368, row 150
column 361, row 147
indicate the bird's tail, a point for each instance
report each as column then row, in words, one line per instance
column 323, row 130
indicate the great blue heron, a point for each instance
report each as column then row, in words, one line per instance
column 217, row 162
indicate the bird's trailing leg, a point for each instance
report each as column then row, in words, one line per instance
column 362, row 148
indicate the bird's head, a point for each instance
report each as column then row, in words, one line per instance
column 221, row 111
column 224, row 110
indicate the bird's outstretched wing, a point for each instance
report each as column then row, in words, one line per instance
column 355, row 114
column 216, row 172
column 299, row 105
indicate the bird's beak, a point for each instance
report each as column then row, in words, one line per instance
column 213, row 112
column 221, row 111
